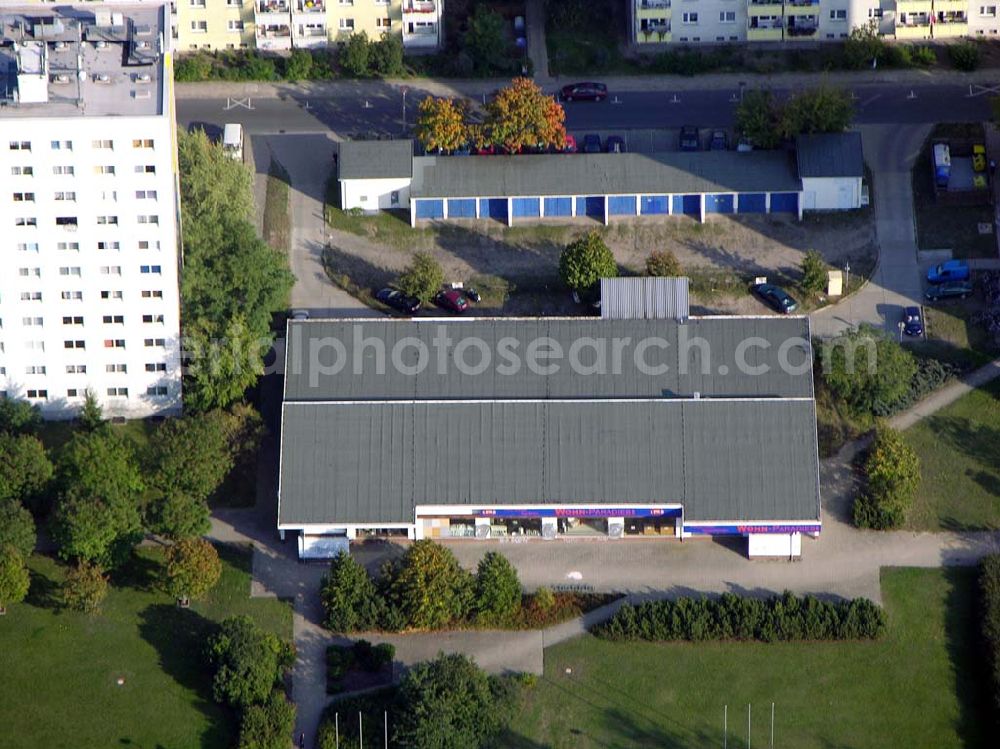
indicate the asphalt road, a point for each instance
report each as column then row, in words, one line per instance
column 378, row 107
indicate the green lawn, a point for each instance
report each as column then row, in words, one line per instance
column 60, row 669
column 959, row 449
column 914, row 688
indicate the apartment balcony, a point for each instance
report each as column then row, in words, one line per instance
column 801, row 27
column 764, row 31
column 271, row 6
column 915, row 8
column 654, row 33
column 914, row 27
column 310, row 6
column 423, row 7
column 757, row 8
column 652, row 8
column 801, row 8
column 273, row 36
column 950, row 25
column 951, row 6
column 420, row 34
column 312, row 35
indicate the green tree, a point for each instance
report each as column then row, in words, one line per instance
column 814, row 272
column 817, row 110
column 864, row 46
column 19, row 416
column 758, row 119
column 964, row 56
column 269, row 724
column 544, row 598
column 868, row 370
column 177, row 515
column 91, row 416
column 662, row 263
column 97, row 514
column 14, row 578
column 892, row 470
column 522, row 115
column 221, row 368
column 247, row 661
column 17, row 527
column 498, row 590
column 585, row 262
column 441, row 124
column 429, row 588
column 85, row 587
column 422, row 279
column 450, row 703
column 485, row 42
column 355, row 55
column 192, row 568
column 387, row 55
column 191, row 455
column 25, row 470
column 350, row 601
column 299, row 65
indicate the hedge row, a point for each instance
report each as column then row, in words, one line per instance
column 730, row 617
column 989, row 595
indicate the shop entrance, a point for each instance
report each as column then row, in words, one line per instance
column 651, row 527
column 576, row 527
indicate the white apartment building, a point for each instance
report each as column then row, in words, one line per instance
column 88, row 208
column 724, row 21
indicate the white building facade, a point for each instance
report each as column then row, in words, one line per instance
column 89, row 299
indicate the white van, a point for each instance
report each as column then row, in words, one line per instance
column 232, row 141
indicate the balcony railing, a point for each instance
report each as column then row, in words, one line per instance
column 422, row 30
column 758, row 23
column 311, row 6
column 419, row 6
column 272, row 6
column 955, row 17
column 273, row 32
column 801, row 3
column 654, row 4
column 655, row 29
column 802, row 30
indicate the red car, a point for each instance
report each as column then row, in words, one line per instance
column 570, row 146
column 487, row 150
column 452, row 300
column 584, row 91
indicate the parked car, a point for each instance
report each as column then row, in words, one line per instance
column 487, row 150
column 690, row 140
column 979, row 158
column 588, row 91
column 398, row 300
column 473, row 294
column 719, row 142
column 615, row 144
column 951, row 290
column 953, row 270
column 300, row 314
column 913, row 321
column 591, row 143
column 452, row 300
column 570, row 146
column 744, row 145
column 775, row 297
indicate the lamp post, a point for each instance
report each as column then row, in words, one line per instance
column 847, row 275
column 404, row 110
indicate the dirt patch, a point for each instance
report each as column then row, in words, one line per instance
column 722, row 254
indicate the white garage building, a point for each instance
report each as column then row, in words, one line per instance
column 832, row 169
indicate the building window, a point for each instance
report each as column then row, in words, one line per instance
column 67, row 170
column 106, row 245
column 144, row 244
column 149, row 219
column 838, row 15
column 76, row 369
column 111, row 270
column 62, row 145
column 20, row 145
column 114, row 343
column 383, row 23
column 875, row 13
column 32, row 322
column 107, row 220
column 152, row 318
column 70, row 270
column 155, row 342
column 27, row 171
column 27, row 247
column 156, row 367
column 70, row 222
column 145, row 169
column 111, row 295
column 118, row 392
column 104, row 169
column 142, row 143
column 72, row 320
column 71, row 393
column 235, row 25
column 347, row 24
column 34, row 345
column 115, row 368
column 727, row 16
column 113, row 319
column 197, row 27
column 156, row 390
column 34, row 370
column 27, row 221
column 29, row 272
column 20, row 197
column 71, row 246
column 66, row 196
column 689, row 18
column 149, row 269
column 197, row 3
column 152, row 294
column 72, row 296
column 74, row 344
column 37, row 394
column 103, row 144
column 31, row 296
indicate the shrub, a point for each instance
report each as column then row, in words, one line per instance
column 386, row 55
column 17, row 527
column 349, row 598
column 585, row 262
column 422, row 279
column 892, row 469
column 989, row 610
column 864, row 45
column 924, row 56
column 498, row 591
column 355, row 55
column 190, row 68
column 298, row 66
column 192, row 569
column 779, row 618
column 429, row 586
column 964, row 56
column 662, row 263
column 813, row 272
column 248, row 662
column 268, row 725
column 373, row 657
column 14, row 578
column 868, row 370
column 544, row 599
column 898, row 56
column 85, row 587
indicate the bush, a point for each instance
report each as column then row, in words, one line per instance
column 864, row 45
column 892, row 469
column 192, row 568
column 544, row 599
column 17, row 527
column 662, row 263
column 248, row 662
column 498, row 591
column 386, row 55
column 964, row 56
column 989, row 611
column 429, row 587
column 782, row 618
column 14, row 578
column 869, row 371
column 814, row 270
column 191, row 68
column 85, row 588
column 585, row 262
column 269, row 724
column 298, row 66
column 355, row 55
column 924, row 56
column 349, row 598
column 422, row 279
column 373, row 658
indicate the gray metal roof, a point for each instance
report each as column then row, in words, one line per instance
column 375, row 159
column 645, row 297
column 603, row 174
column 701, row 355
column 830, row 155
column 750, row 460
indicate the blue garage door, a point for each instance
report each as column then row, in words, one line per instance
column 430, row 209
column 689, row 205
column 495, row 208
column 653, row 204
column 462, row 208
column 752, row 202
column 621, row 205
column 522, row 207
column 784, row 202
column 718, row 204
column 559, row 206
column 592, row 206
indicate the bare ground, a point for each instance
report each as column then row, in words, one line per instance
column 721, row 254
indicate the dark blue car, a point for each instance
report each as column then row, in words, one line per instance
column 913, row 321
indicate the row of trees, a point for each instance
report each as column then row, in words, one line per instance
column 363, row 57
column 519, row 116
column 730, row 617
column 446, row 703
column 766, row 122
column 425, row 589
column 989, row 610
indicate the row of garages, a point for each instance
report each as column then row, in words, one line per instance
column 602, row 207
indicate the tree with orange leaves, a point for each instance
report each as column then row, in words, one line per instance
column 522, row 116
column 441, row 124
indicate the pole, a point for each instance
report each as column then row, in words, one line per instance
column 404, row 111
column 772, row 725
column 385, row 723
column 748, row 725
column 361, row 732
column 725, row 727
column 336, row 728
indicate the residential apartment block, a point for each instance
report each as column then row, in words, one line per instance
column 718, row 21
column 89, row 294
column 290, row 24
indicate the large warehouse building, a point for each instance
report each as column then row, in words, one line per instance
column 549, row 428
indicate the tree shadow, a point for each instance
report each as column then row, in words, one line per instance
column 179, row 636
column 140, row 573
column 976, row 720
column 44, row 593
